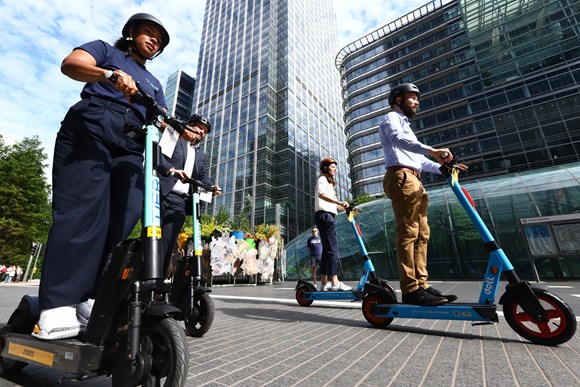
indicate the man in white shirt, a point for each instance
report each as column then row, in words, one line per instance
column 187, row 161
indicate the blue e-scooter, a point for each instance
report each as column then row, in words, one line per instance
column 306, row 292
column 532, row 312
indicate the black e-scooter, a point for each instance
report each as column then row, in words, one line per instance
column 532, row 312
column 131, row 334
column 189, row 288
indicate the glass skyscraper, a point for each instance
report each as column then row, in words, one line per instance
column 267, row 81
column 179, row 94
column 499, row 85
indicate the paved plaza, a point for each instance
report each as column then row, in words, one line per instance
column 262, row 337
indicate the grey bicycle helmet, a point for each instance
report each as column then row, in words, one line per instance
column 400, row 90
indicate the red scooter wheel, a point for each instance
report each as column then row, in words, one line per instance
column 375, row 298
column 300, row 296
column 559, row 327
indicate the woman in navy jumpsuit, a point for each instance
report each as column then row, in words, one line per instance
column 97, row 171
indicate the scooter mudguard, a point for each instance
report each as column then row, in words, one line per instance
column 121, row 268
column 162, row 311
column 311, row 287
column 387, row 295
column 24, row 316
column 525, row 295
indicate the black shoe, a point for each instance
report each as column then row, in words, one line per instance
column 421, row 297
column 435, row 292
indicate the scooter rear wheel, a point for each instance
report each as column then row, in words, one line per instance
column 376, row 298
column 300, row 296
column 559, row 328
column 199, row 319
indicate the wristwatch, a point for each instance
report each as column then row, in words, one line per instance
column 111, row 76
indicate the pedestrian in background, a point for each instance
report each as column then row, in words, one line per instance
column 315, row 246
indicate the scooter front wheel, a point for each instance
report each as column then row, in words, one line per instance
column 559, row 328
column 300, row 296
column 199, row 318
column 376, row 298
column 164, row 342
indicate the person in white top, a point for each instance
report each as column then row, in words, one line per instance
column 326, row 207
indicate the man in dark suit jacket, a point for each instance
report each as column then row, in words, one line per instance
column 186, row 161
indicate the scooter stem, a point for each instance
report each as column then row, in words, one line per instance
column 152, row 254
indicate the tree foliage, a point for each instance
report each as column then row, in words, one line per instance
column 223, row 218
column 242, row 219
column 24, row 199
column 363, row 197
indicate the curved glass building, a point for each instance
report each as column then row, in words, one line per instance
column 534, row 216
column 499, row 84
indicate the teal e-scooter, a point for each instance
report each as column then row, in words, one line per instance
column 132, row 334
column 189, row 288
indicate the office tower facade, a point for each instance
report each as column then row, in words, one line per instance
column 179, row 94
column 266, row 79
column 499, row 85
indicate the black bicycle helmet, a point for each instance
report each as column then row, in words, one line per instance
column 196, row 118
column 400, row 90
column 141, row 17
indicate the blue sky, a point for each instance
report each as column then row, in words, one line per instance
column 37, row 34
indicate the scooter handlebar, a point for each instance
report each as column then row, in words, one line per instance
column 144, row 99
column 448, row 167
column 199, row 184
column 352, row 209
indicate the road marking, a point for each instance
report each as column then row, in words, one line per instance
column 560, row 287
column 291, row 301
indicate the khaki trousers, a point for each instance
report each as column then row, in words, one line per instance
column 410, row 201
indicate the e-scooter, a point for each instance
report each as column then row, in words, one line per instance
column 189, row 288
column 306, row 292
column 532, row 312
column 131, row 334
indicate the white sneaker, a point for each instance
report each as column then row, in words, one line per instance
column 325, row 287
column 84, row 310
column 340, row 287
column 57, row 323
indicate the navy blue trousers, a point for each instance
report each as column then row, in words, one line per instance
column 172, row 219
column 329, row 260
column 97, row 198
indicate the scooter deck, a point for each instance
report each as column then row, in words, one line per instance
column 354, row 295
column 67, row 355
column 452, row 311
